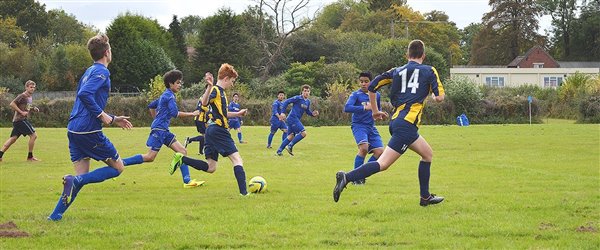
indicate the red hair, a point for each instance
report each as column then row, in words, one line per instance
column 227, row 70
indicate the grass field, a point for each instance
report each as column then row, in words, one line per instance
column 506, row 186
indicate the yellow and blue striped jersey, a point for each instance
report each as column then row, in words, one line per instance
column 411, row 84
column 202, row 117
column 217, row 103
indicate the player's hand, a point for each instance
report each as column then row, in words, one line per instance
column 122, row 122
column 367, row 106
column 196, row 113
column 36, row 109
column 208, row 77
column 315, row 113
column 243, row 112
column 380, row 115
column 105, row 118
column 24, row 113
column 282, row 117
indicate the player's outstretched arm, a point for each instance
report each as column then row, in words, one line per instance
column 240, row 113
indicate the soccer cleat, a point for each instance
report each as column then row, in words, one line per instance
column 186, row 142
column 193, row 183
column 55, row 217
column 279, row 153
column 243, row 142
column 175, row 163
column 33, row 159
column 289, row 150
column 340, row 184
column 359, row 182
column 432, row 199
column 268, row 146
column 68, row 188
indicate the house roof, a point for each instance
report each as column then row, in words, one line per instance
column 579, row 64
column 515, row 61
column 518, row 59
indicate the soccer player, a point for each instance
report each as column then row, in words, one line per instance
column 277, row 118
column 22, row 105
column 217, row 139
column 235, row 122
column 165, row 108
column 200, row 121
column 86, row 140
column 363, row 126
column 410, row 85
column 296, row 131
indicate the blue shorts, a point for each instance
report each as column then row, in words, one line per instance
column 217, row 140
column 367, row 134
column 403, row 135
column 94, row 145
column 295, row 127
column 234, row 124
column 200, row 127
column 277, row 124
column 159, row 137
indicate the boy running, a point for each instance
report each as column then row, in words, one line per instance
column 277, row 118
column 235, row 122
column 296, row 131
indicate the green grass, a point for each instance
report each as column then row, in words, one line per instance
column 506, row 186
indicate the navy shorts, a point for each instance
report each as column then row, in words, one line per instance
column 200, row 127
column 217, row 140
column 94, row 145
column 295, row 127
column 367, row 134
column 23, row 128
column 157, row 138
column 234, row 124
column 403, row 135
column 277, row 124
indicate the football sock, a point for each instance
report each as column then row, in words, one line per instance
column 296, row 139
column 185, row 173
column 201, row 146
column 133, row 160
column 98, row 175
column 284, row 143
column 240, row 176
column 59, row 210
column 270, row 138
column 284, row 135
column 424, row 173
column 195, row 163
column 240, row 136
column 363, row 171
column 373, row 158
column 358, row 161
column 30, row 155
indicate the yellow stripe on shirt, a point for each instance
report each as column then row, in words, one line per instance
column 414, row 112
column 439, row 82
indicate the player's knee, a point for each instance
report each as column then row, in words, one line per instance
column 427, row 157
column 33, row 136
column 148, row 158
column 304, row 134
column 211, row 169
column 184, row 151
column 363, row 149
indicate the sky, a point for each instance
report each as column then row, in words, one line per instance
column 100, row 13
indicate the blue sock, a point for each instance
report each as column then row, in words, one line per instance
column 240, row 136
column 424, row 173
column 133, row 160
column 358, row 161
column 284, row 143
column 185, row 173
column 372, row 159
column 270, row 138
column 195, row 163
column 59, row 210
column 363, row 171
column 296, row 139
column 98, row 175
column 284, row 135
column 240, row 176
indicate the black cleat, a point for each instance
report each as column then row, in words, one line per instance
column 279, row 153
column 432, row 199
column 340, row 184
column 289, row 150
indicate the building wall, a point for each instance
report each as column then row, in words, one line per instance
column 514, row 77
column 538, row 56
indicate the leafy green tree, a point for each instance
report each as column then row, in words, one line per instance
column 10, row 33
column 585, row 38
column 64, row 28
column 332, row 15
column 31, row 17
column 311, row 44
column 466, row 41
column 563, row 15
column 383, row 4
column 191, row 27
column 178, row 42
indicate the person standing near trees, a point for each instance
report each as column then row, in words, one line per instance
column 296, row 131
column 22, row 105
column 410, row 85
column 277, row 118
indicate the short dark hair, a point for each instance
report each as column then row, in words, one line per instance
column 416, row 48
column 234, row 94
column 305, row 86
column 171, row 77
column 97, row 46
column 280, row 92
column 366, row 74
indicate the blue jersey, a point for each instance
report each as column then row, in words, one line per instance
column 355, row 105
column 166, row 109
column 92, row 94
column 300, row 107
column 276, row 109
column 233, row 107
column 411, row 84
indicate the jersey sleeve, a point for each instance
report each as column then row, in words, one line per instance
column 87, row 92
column 173, row 110
column 308, row 111
column 351, row 106
column 436, row 85
column 275, row 108
column 153, row 104
column 287, row 102
column 213, row 95
column 379, row 101
column 381, row 80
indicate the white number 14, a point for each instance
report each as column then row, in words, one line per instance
column 413, row 82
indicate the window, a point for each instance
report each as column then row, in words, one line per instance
column 538, row 65
column 552, row 81
column 494, row 81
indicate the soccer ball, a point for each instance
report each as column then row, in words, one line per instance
column 257, row 185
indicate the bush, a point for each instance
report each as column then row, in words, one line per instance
column 589, row 110
column 465, row 95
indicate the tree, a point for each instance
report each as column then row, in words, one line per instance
column 563, row 15
column 178, row 42
column 10, row 33
column 64, row 28
column 30, row 15
column 191, row 26
column 383, row 4
column 585, row 38
column 510, row 29
column 466, row 41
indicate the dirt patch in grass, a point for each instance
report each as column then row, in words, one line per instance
column 8, row 230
